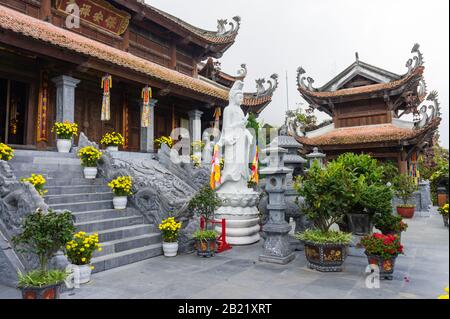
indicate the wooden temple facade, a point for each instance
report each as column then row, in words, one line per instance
column 54, row 54
column 367, row 105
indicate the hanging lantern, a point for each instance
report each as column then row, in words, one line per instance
column 146, row 96
column 106, row 102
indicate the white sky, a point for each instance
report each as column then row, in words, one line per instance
column 323, row 36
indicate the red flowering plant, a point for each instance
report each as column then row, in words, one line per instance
column 384, row 246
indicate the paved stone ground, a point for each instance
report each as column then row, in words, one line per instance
column 422, row 273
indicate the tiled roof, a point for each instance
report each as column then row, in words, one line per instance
column 365, row 134
column 46, row 32
column 251, row 100
column 416, row 74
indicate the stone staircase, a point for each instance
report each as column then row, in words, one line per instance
column 124, row 234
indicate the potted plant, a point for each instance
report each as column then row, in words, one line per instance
column 444, row 212
column 64, row 133
column 164, row 140
column 6, row 152
column 204, row 204
column 121, row 187
column 43, row 234
column 382, row 251
column 89, row 156
column 196, row 161
column 38, row 181
column 169, row 229
column 404, row 189
column 324, row 204
column 112, row 141
column 390, row 224
column 79, row 252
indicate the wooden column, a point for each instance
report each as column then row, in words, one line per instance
column 46, row 10
column 42, row 116
column 173, row 56
column 126, row 40
column 125, row 120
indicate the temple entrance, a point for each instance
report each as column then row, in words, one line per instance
column 13, row 111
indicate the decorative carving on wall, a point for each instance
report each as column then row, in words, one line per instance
column 301, row 80
column 222, row 26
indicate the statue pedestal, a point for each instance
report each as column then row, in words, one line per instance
column 242, row 216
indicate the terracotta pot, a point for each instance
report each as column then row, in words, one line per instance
column 406, row 212
column 46, row 292
column 385, row 266
column 63, row 145
column 325, row 257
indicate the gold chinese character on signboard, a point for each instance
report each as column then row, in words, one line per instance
column 85, row 10
column 98, row 17
column 111, row 22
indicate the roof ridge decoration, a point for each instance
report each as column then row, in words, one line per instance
column 417, row 59
column 273, row 85
column 242, row 72
column 301, row 80
column 221, row 26
column 425, row 119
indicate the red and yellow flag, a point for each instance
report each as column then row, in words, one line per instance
column 215, row 168
column 255, row 167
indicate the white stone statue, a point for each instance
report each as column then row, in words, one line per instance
column 239, row 206
column 236, row 139
column 208, row 149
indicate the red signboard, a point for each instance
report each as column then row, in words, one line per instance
column 98, row 13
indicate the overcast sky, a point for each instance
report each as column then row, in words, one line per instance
column 323, row 36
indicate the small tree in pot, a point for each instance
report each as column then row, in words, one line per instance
column 404, row 189
column 44, row 234
column 324, row 193
column 204, row 204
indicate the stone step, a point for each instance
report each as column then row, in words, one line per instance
column 119, row 245
column 76, row 189
column 20, row 154
column 49, row 174
column 74, row 181
column 84, row 206
column 125, row 257
column 76, row 198
column 124, row 232
column 90, row 216
column 112, row 223
column 48, row 167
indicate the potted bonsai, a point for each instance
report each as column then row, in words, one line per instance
column 121, row 187
column 444, row 212
column 112, row 141
column 323, row 190
column 43, row 234
column 89, row 157
column 38, row 181
column 64, row 133
column 405, row 188
column 390, row 224
column 204, row 204
column 79, row 252
column 6, row 152
column 169, row 229
column 382, row 251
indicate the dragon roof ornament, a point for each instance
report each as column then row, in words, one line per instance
column 423, row 118
column 301, row 80
column 222, row 23
column 415, row 61
column 242, row 72
column 261, row 90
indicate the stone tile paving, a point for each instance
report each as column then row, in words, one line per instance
column 422, row 273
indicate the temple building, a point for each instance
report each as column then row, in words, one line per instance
column 367, row 105
column 59, row 59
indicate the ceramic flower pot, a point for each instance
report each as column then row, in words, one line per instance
column 83, row 272
column 406, row 212
column 170, row 249
column 205, row 248
column 325, row 257
column 120, row 202
column 385, row 266
column 63, row 145
column 90, row 172
column 112, row 148
column 46, row 292
column 360, row 224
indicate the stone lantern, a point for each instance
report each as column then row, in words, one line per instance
column 315, row 155
column 276, row 247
